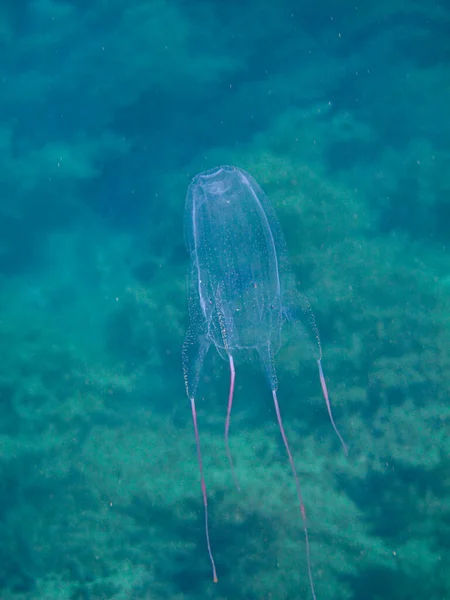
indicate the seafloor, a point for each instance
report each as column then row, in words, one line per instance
column 340, row 110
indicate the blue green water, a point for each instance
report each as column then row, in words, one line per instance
column 107, row 110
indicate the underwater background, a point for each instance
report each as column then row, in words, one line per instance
column 340, row 110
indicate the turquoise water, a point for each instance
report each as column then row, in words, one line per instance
column 107, row 110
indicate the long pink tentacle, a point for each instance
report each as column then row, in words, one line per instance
column 227, row 422
column 312, row 322
column 299, row 493
column 327, row 400
column 205, row 499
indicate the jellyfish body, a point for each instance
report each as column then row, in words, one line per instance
column 240, row 290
